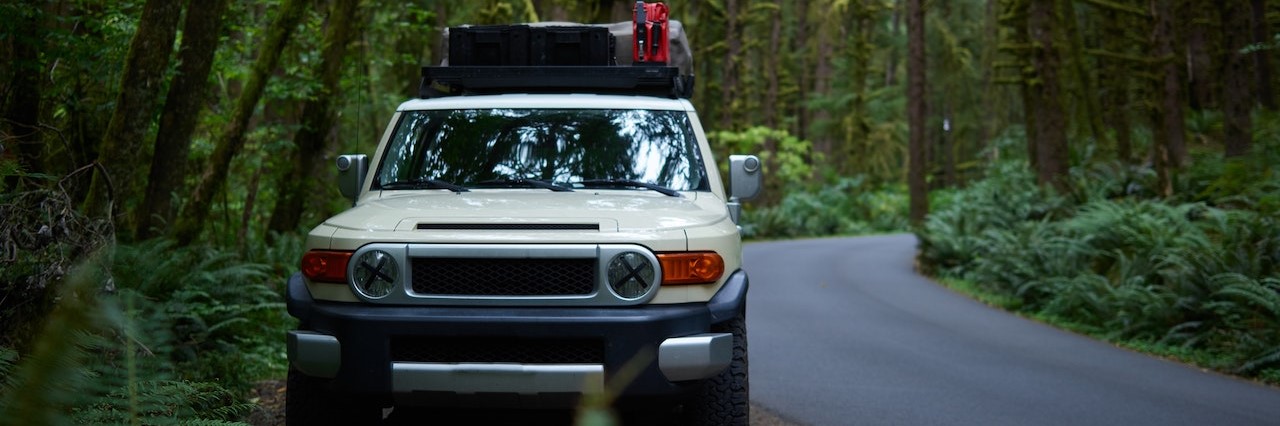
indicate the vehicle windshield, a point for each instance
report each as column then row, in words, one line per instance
column 563, row 147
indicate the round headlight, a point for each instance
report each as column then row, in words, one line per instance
column 375, row 274
column 630, row 275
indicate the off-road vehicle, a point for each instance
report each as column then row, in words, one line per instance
column 527, row 233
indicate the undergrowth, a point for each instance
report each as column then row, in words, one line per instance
column 1195, row 275
column 143, row 333
column 850, row 206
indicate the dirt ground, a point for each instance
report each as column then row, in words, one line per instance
column 269, row 395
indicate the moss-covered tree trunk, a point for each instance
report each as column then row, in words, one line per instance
column 1090, row 106
column 1050, row 118
column 1237, row 78
column 800, row 48
column 916, row 112
column 295, row 189
column 188, row 93
column 214, row 177
column 122, row 150
column 1168, row 132
column 729, row 68
column 1114, row 83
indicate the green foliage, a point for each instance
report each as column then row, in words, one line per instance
column 225, row 319
column 848, row 207
column 155, row 334
column 1200, row 271
column 788, row 165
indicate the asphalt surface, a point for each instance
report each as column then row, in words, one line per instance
column 844, row 332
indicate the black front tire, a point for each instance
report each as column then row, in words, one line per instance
column 725, row 398
column 308, row 402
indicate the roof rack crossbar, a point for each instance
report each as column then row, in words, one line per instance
column 640, row 80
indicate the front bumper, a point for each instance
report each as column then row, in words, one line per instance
column 671, row 345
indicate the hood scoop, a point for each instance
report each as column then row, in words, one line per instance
column 509, row 226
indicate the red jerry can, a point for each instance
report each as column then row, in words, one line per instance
column 649, row 30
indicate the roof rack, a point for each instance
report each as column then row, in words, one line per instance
column 631, row 80
column 652, row 59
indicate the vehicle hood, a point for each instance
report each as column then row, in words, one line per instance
column 611, row 210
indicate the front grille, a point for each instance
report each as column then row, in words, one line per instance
column 503, row 277
column 497, row 350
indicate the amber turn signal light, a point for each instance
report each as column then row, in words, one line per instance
column 691, row 268
column 326, row 266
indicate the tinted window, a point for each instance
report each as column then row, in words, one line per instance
column 557, row 146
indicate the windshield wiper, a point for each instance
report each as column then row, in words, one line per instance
column 512, row 183
column 631, row 183
column 423, row 184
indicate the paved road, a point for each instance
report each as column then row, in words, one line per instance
column 843, row 332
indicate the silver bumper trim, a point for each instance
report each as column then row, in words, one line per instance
column 315, row 354
column 522, row 379
column 695, row 357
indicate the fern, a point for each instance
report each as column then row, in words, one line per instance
column 1198, row 271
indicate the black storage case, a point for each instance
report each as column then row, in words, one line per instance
column 517, row 45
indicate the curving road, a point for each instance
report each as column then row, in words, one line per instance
column 844, row 332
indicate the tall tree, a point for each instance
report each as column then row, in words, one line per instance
column 1237, row 75
column 916, row 111
column 1262, row 57
column 1200, row 67
column 22, row 109
column 729, row 74
column 1169, row 134
column 800, row 48
column 187, row 95
column 214, row 177
column 122, row 144
column 1114, row 81
column 310, row 142
column 1050, row 118
column 1091, row 107
column 1014, row 14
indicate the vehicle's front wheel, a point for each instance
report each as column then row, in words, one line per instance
column 725, row 398
column 307, row 402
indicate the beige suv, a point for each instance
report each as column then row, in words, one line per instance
column 523, row 247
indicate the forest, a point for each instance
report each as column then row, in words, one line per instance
column 1108, row 166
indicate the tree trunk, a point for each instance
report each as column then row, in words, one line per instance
column 1169, row 135
column 916, row 111
column 1092, row 108
column 214, row 177
column 1262, row 58
column 891, row 64
column 1174, row 119
column 1050, row 120
column 1115, row 86
column 771, row 70
column 799, row 47
column 1200, row 72
column 123, row 145
column 729, row 72
column 310, row 142
column 1237, row 74
column 187, row 96
column 821, row 87
column 1029, row 94
column 22, row 114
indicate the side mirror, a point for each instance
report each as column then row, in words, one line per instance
column 351, row 171
column 746, row 178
